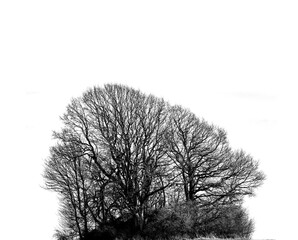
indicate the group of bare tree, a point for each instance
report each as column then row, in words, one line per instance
column 123, row 154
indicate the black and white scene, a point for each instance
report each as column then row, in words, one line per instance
column 148, row 120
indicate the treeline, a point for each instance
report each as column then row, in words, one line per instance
column 128, row 164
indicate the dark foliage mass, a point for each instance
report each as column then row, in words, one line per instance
column 128, row 164
column 189, row 220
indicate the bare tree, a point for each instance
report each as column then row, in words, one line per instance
column 210, row 172
column 70, row 173
column 120, row 132
column 132, row 127
column 122, row 153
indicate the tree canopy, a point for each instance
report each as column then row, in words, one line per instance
column 122, row 154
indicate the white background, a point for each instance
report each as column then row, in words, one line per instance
column 233, row 63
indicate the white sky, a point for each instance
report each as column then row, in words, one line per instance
column 233, row 63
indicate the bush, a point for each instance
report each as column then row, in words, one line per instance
column 182, row 220
column 164, row 223
column 105, row 233
column 119, row 228
column 189, row 220
column 229, row 222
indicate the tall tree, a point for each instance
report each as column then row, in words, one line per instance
column 120, row 132
column 131, row 127
column 122, row 154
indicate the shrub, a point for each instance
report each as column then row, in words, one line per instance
column 182, row 221
column 164, row 223
column 105, row 233
column 116, row 229
column 189, row 220
column 230, row 222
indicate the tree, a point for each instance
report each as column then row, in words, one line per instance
column 122, row 154
column 71, row 175
column 119, row 134
column 210, row 172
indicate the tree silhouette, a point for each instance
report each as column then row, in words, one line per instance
column 122, row 154
column 209, row 170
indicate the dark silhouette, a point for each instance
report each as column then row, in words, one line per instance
column 122, row 157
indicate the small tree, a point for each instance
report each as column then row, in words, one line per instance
column 210, row 172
